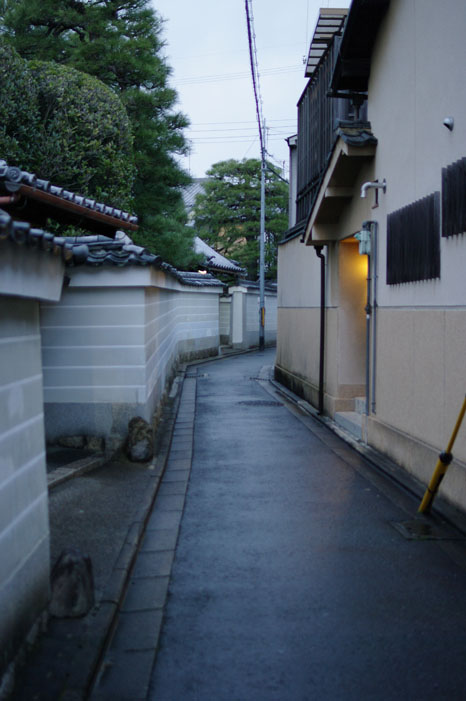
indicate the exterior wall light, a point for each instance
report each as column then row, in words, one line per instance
column 449, row 123
column 364, row 238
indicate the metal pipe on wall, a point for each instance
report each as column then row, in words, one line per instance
column 374, row 249
column 368, row 310
column 318, row 250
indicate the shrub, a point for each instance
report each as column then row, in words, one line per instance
column 65, row 126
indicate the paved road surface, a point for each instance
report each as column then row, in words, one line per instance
column 289, row 580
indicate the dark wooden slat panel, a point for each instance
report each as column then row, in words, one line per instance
column 413, row 241
column 454, row 198
column 317, row 115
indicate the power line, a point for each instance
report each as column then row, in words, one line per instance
column 253, row 121
column 254, row 73
column 277, row 131
column 224, row 77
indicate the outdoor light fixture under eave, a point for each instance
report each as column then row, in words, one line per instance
column 364, row 238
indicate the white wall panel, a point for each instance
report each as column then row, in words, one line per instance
column 23, row 489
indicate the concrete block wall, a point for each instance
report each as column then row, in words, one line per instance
column 24, row 529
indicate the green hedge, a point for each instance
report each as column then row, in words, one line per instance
column 65, row 126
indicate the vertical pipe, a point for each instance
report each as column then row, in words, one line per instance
column 374, row 249
column 319, row 253
column 368, row 331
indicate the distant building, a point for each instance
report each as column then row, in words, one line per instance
column 189, row 197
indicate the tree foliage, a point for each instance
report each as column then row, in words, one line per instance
column 227, row 215
column 119, row 41
column 65, row 126
column 19, row 115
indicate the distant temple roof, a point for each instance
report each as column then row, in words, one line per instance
column 190, row 192
column 215, row 261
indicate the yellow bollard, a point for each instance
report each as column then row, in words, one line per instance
column 442, row 465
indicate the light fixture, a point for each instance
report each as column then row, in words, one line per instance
column 449, row 123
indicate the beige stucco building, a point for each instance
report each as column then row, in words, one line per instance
column 393, row 364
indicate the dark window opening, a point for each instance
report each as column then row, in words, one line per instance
column 413, row 241
column 454, row 198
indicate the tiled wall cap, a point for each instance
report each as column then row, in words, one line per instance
column 14, row 177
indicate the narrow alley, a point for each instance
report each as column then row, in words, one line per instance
column 271, row 568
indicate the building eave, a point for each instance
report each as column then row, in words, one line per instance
column 28, row 198
column 338, row 185
column 353, row 64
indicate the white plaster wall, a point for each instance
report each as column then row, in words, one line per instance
column 93, row 346
column 225, row 319
column 30, row 273
column 24, row 530
column 180, row 324
column 298, row 275
column 417, row 79
column 298, row 317
column 251, row 318
column 108, row 350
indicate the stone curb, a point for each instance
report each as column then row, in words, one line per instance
column 74, row 469
column 140, row 653
column 103, row 618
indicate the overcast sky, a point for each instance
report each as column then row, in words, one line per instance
column 207, row 48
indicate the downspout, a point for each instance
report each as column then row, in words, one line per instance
column 368, row 311
column 318, row 250
column 374, row 248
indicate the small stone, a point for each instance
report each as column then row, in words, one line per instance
column 140, row 441
column 71, row 441
column 72, row 585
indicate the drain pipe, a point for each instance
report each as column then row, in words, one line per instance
column 318, row 250
column 366, row 247
column 368, row 310
column 375, row 240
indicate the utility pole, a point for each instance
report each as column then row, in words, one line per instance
column 261, row 126
column 262, row 249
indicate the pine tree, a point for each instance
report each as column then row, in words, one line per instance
column 119, row 41
column 227, row 215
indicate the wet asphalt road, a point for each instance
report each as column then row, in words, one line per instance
column 289, row 581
